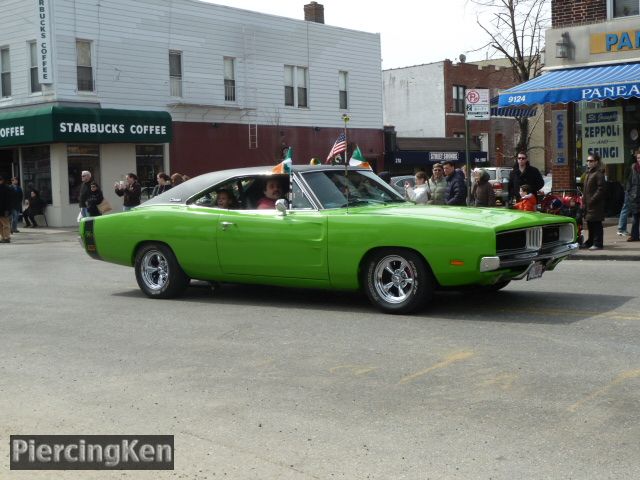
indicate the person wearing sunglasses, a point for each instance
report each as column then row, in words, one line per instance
column 524, row 173
column 437, row 185
column 593, row 202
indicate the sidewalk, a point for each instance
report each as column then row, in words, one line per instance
column 615, row 247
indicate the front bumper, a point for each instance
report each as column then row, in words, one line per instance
column 549, row 259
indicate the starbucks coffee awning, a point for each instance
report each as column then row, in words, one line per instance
column 53, row 124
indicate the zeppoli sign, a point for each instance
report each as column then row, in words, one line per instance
column 43, row 44
column 602, row 133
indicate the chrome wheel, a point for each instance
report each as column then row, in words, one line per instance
column 393, row 279
column 155, row 270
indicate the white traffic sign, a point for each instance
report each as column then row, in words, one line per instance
column 477, row 104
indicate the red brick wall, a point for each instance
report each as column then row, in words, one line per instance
column 567, row 13
column 198, row 148
column 493, row 78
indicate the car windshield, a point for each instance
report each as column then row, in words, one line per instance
column 334, row 189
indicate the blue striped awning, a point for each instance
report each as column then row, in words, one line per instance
column 511, row 112
column 607, row 82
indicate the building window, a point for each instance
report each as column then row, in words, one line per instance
column 83, row 66
column 458, row 98
column 79, row 158
column 625, row 8
column 5, row 73
column 295, row 86
column 33, row 70
column 149, row 163
column 175, row 73
column 229, row 79
column 36, row 171
column 342, row 89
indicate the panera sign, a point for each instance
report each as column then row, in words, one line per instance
column 65, row 124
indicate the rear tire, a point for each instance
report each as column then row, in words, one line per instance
column 158, row 272
column 397, row 280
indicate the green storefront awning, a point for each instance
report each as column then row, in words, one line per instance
column 53, row 124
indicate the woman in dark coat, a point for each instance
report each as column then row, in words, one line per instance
column 94, row 199
column 482, row 191
column 36, row 207
column 633, row 193
column 593, row 202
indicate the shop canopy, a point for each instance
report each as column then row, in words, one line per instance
column 53, row 124
column 522, row 111
column 608, row 82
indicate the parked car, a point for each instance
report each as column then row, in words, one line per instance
column 499, row 179
column 398, row 182
column 338, row 231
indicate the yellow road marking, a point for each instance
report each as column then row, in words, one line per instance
column 503, row 381
column 601, row 391
column 355, row 369
column 573, row 313
column 455, row 357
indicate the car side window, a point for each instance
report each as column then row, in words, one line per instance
column 221, row 196
column 299, row 200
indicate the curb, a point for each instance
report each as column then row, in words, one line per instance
column 624, row 257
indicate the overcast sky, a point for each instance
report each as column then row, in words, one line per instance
column 412, row 32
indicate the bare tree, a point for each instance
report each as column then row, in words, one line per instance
column 515, row 30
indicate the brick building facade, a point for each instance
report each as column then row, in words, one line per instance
column 591, row 84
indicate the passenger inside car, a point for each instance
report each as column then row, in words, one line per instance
column 225, row 199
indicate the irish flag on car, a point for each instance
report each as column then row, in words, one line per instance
column 285, row 165
column 357, row 160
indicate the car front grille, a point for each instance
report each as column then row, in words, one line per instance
column 534, row 239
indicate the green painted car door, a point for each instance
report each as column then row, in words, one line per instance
column 265, row 243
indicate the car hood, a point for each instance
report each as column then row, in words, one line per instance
column 496, row 218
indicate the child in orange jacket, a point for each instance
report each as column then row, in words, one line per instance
column 528, row 200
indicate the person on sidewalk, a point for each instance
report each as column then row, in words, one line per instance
column 17, row 197
column 36, row 207
column 523, row 173
column 456, row 192
column 633, row 191
column 527, row 201
column 85, row 190
column 420, row 193
column 593, row 198
column 5, row 212
column 131, row 191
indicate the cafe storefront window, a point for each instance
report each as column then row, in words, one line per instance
column 79, row 158
column 36, row 171
column 149, row 162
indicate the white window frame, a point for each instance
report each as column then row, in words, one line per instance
column 175, row 80
column 299, row 85
column 343, row 77
column 457, row 98
column 230, row 87
column 90, row 66
column 610, row 10
column 35, row 87
column 5, row 71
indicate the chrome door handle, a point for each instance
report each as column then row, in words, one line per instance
column 226, row 225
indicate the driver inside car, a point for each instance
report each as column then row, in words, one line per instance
column 272, row 192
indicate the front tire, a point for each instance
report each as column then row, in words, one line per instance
column 397, row 281
column 158, row 272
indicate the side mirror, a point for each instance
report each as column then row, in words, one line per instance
column 281, row 206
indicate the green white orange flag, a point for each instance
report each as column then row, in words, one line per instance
column 285, row 165
column 357, row 160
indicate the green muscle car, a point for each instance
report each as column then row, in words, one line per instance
column 333, row 228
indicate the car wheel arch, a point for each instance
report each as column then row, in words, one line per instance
column 375, row 250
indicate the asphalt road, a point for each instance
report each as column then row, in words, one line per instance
column 538, row 381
